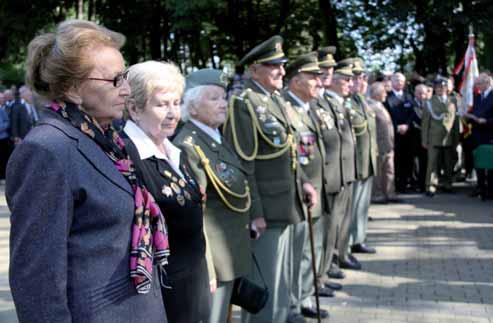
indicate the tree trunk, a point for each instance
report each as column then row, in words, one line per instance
column 328, row 14
column 80, row 9
column 155, row 31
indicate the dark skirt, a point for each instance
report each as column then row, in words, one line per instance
column 189, row 298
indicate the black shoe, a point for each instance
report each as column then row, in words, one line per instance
column 311, row 312
column 350, row 264
column 296, row 318
column 362, row 248
column 380, row 201
column 333, row 286
column 325, row 292
column 336, row 273
column 430, row 193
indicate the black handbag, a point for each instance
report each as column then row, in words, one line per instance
column 249, row 295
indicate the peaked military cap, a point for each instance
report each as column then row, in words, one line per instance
column 207, row 76
column 440, row 81
column 307, row 63
column 268, row 52
column 344, row 67
column 358, row 66
column 326, row 56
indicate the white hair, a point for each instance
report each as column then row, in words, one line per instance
column 191, row 99
column 145, row 78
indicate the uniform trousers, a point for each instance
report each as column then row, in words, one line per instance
column 361, row 206
column 383, row 182
column 220, row 302
column 337, row 204
column 304, row 286
column 274, row 253
column 342, row 243
column 439, row 158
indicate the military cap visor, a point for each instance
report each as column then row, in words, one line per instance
column 268, row 52
column 206, row 76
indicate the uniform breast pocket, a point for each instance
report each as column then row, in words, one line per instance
column 273, row 129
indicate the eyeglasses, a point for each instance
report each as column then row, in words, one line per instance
column 117, row 80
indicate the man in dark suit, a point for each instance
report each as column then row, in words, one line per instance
column 481, row 117
column 419, row 154
column 23, row 115
column 399, row 104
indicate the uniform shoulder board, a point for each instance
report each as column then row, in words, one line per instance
column 237, row 97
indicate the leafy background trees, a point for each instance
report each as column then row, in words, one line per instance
column 428, row 36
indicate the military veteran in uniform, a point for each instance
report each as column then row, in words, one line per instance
column 331, row 125
column 261, row 134
column 364, row 126
column 337, row 96
column 218, row 169
column 303, row 84
column 440, row 136
column 154, row 110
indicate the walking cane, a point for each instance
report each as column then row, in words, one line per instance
column 314, row 266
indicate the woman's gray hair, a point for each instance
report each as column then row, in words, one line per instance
column 192, row 99
column 147, row 77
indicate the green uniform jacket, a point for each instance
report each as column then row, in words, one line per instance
column 253, row 114
column 348, row 154
column 328, row 125
column 440, row 123
column 310, row 153
column 227, row 231
column 364, row 125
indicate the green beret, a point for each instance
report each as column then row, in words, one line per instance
column 268, row 52
column 207, row 76
column 307, row 63
column 326, row 56
column 344, row 67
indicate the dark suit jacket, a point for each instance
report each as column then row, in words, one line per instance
column 20, row 121
column 483, row 108
column 400, row 109
column 70, row 232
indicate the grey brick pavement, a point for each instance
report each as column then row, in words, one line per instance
column 434, row 265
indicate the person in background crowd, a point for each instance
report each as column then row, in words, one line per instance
column 4, row 137
column 303, row 84
column 440, row 136
column 154, row 111
column 261, row 134
column 220, row 172
column 481, row 118
column 383, row 185
column 23, row 116
column 77, row 206
column 419, row 153
column 364, row 127
column 399, row 104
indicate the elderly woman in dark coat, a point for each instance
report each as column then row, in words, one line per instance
column 154, row 110
column 85, row 233
column 220, row 172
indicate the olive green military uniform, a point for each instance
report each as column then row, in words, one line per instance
column 440, row 133
column 363, row 121
column 260, row 133
column 219, row 171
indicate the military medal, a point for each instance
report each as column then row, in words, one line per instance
column 167, row 191
column 187, row 195
column 277, row 140
column 181, row 182
column 180, row 199
column 174, row 179
column 176, row 188
column 167, row 173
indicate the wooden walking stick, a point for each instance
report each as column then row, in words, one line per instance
column 314, row 266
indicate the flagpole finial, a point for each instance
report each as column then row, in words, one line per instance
column 471, row 31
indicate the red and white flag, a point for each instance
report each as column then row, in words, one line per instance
column 470, row 65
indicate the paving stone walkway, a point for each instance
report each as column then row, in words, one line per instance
column 434, row 265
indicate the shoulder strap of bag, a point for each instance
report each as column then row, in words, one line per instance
column 259, row 271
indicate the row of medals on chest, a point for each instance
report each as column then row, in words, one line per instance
column 177, row 188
